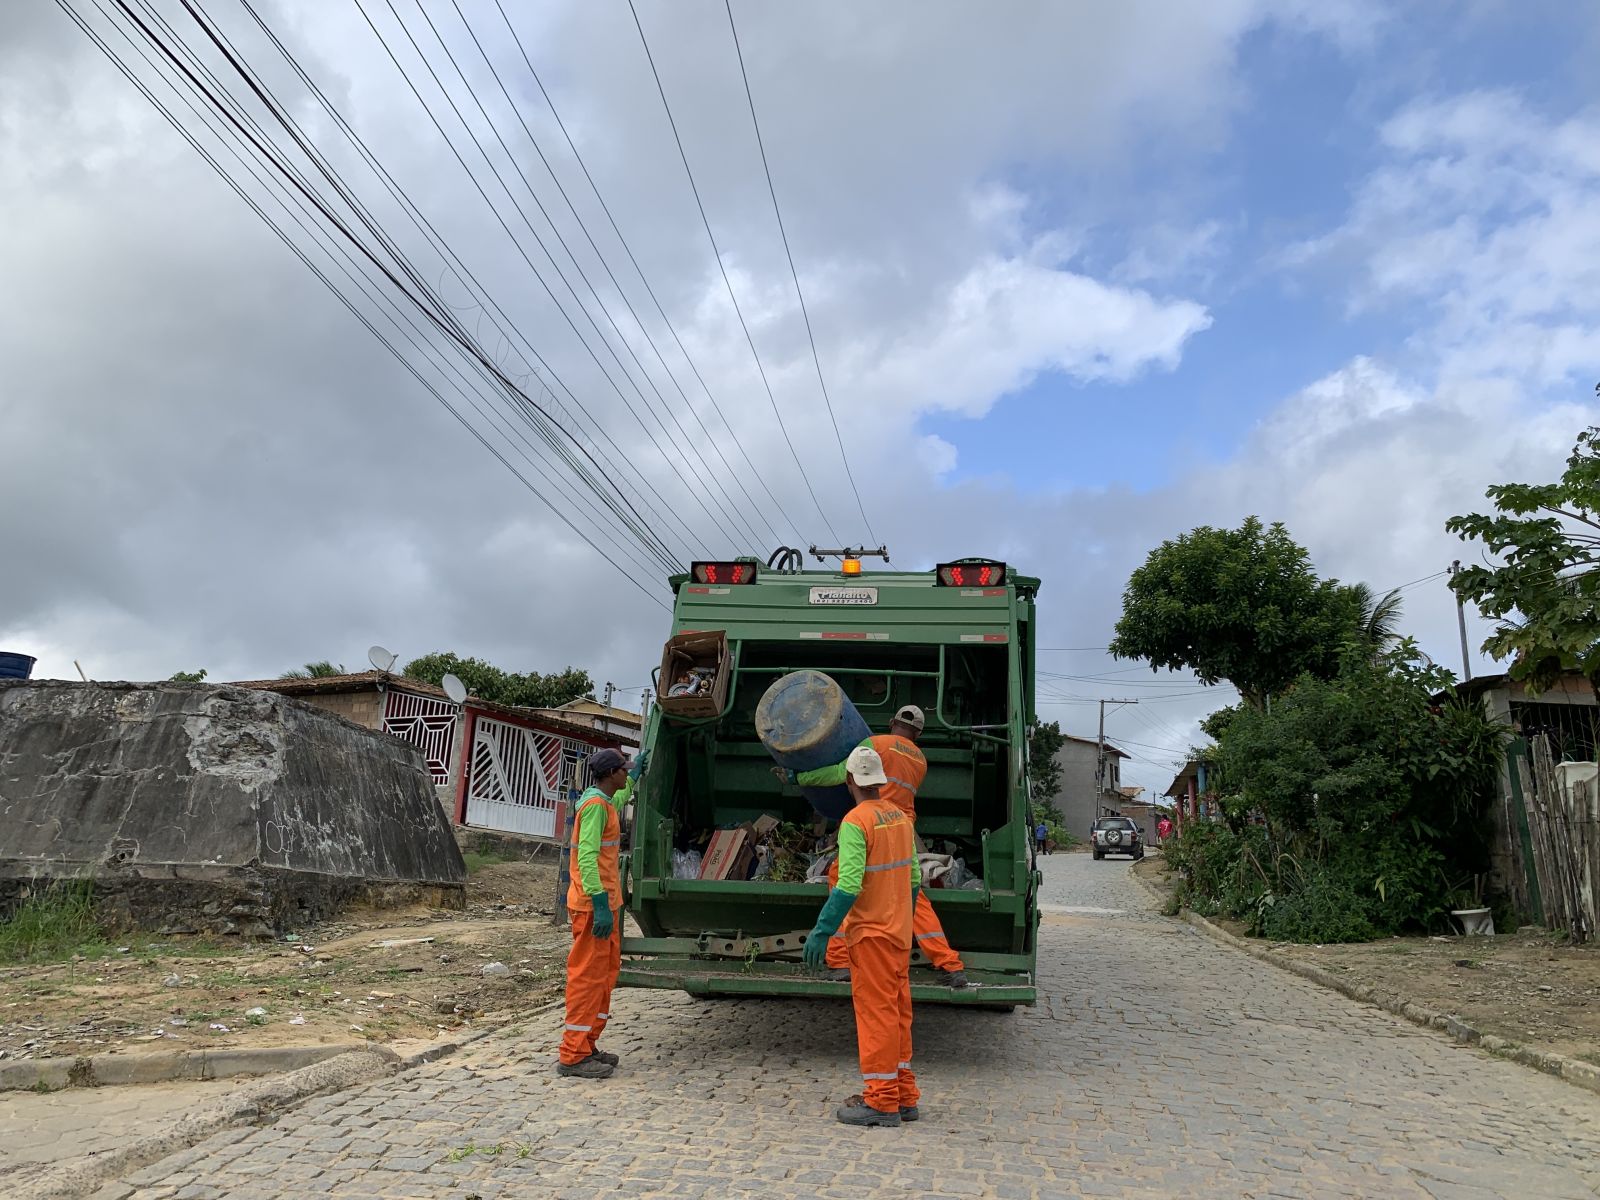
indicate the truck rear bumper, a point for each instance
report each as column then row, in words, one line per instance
column 702, row 977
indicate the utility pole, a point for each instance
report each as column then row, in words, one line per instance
column 1461, row 623
column 610, row 688
column 1100, row 760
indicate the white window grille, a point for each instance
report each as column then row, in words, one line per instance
column 426, row 723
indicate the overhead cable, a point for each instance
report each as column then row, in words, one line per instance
column 206, row 155
column 793, row 274
column 722, row 267
column 516, row 109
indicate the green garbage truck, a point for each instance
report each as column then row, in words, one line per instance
column 957, row 641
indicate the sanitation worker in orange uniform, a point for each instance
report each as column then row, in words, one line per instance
column 594, row 906
column 906, row 768
column 871, row 906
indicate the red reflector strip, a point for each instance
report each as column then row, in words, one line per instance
column 699, row 591
column 985, row 637
column 831, row 635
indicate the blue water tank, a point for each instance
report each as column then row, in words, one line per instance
column 806, row 721
column 15, row 666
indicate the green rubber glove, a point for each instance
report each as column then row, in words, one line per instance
column 640, row 765
column 828, row 921
column 604, row 922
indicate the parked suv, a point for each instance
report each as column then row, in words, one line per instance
column 1116, row 835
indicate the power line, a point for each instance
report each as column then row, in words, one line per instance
column 650, row 291
column 730, row 511
column 549, row 291
column 440, row 315
column 463, row 274
column 127, row 71
column 721, row 266
column 362, row 283
column 638, row 321
column 793, row 274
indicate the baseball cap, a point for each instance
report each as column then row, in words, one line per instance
column 911, row 715
column 603, row 762
column 865, row 767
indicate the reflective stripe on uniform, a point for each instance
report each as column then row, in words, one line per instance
column 890, row 866
column 922, row 937
column 905, row 783
column 612, row 842
column 603, row 1016
column 580, row 1028
column 905, row 1066
column 880, row 1075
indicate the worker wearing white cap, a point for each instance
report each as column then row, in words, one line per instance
column 871, row 906
column 905, row 768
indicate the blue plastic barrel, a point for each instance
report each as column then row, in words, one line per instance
column 806, row 721
column 15, row 666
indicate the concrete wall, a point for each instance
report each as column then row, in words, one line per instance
column 235, row 810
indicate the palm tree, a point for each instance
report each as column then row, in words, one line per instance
column 314, row 670
column 1377, row 618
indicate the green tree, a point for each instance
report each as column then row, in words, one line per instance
column 1237, row 604
column 188, row 676
column 1045, row 739
column 314, row 670
column 1544, row 594
column 489, row 682
column 1374, row 797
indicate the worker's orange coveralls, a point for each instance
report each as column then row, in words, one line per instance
column 593, row 963
column 877, row 934
column 906, row 768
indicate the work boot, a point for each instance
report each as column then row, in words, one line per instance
column 913, row 1113
column 837, row 975
column 604, row 1056
column 857, row 1111
column 954, row 979
column 589, row 1068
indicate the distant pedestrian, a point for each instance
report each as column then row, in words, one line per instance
column 1041, row 835
column 1164, row 829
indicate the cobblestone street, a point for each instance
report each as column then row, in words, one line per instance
column 1156, row 1064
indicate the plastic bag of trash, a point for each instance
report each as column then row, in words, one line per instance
column 818, row 871
column 686, row 864
column 972, row 885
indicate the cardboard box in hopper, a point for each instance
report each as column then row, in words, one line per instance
column 730, row 854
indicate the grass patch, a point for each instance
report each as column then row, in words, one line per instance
column 477, row 860
column 54, row 925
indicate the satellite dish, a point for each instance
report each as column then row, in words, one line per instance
column 382, row 659
column 454, row 688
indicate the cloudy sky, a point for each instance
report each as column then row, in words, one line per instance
column 1080, row 278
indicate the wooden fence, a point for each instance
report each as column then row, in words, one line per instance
column 1564, row 830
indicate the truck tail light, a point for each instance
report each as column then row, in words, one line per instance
column 723, row 572
column 976, row 573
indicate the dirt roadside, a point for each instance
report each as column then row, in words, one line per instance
column 1530, row 987
column 394, row 976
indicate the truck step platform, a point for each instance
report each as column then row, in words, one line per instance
column 722, row 978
